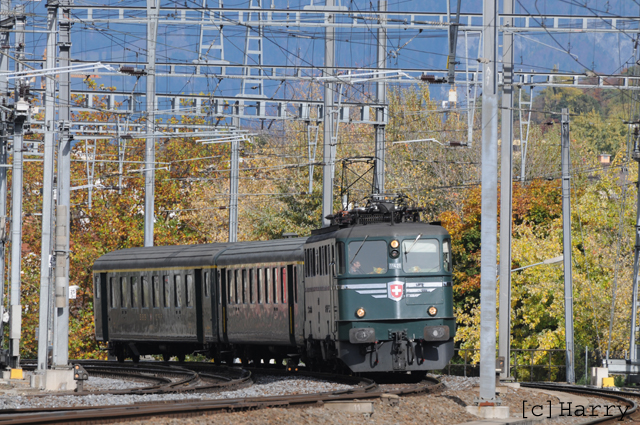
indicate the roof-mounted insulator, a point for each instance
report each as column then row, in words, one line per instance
column 432, row 79
column 132, row 71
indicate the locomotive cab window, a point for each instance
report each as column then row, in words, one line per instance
column 420, row 255
column 367, row 257
column 447, row 264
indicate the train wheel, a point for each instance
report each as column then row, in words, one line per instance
column 136, row 358
column 166, row 357
column 120, row 356
column 181, row 358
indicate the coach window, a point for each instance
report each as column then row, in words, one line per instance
column 177, row 292
column 188, row 291
column 155, row 284
column 206, row 284
column 341, row 262
column 243, row 288
column 318, row 272
column 295, row 284
column 267, row 282
column 134, row 291
column 283, row 286
column 97, row 286
column 220, row 275
column 123, row 292
column 259, row 283
column 167, row 291
column 145, row 292
column 114, row 290
column 231, row 286
column 274, row 283
column 252, row 293
column 237, row 277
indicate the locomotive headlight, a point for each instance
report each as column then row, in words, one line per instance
column 360, row 313
column 394, row 244
column 395, row 253
column 432, row 311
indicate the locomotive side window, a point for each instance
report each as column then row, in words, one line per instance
column 283, row 286
column 167, row 291
column 316, row 258
column 306, row 263
column 325, row 260
column 177, row 290
column 446, row 255
column 113, row 291
column 155, row 283
column 134, row 291
column 420, row 255
column 206, row 284
column 333, row 260
column 188, row 290
column 123, row 292
column 367, row 257
column 267, row 283
column 97, row 286
column 341, row 262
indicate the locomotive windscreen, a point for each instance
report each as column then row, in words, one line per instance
column 421, row 256
column 367, row 257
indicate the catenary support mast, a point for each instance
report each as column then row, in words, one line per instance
column 489, row 215
column 47, row 188
column 506, row 172
column 327, row 147
column 566, row 244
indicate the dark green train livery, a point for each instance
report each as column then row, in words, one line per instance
column 373, row 292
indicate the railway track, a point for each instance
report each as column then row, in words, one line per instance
column 198, row 378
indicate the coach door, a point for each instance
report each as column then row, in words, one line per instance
column 102, row 306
